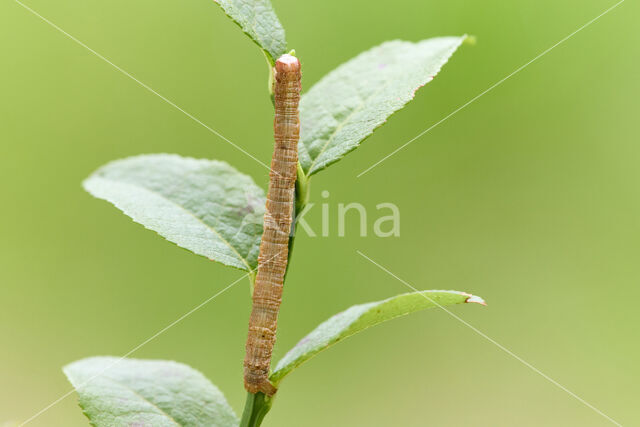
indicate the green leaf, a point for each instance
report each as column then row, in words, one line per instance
column 350, row 102
column 205, row 206
column 358, row 318
column 258, row 20
column 118, row 392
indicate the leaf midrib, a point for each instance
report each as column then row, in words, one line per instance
column 341, row 124
column 212, row 229
column 162, row 411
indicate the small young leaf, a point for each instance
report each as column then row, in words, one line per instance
column 131, row 392
column 350, row 102
column 205, row 206
column 360, row 317
column 258, row 20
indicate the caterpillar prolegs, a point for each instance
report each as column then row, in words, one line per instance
column 272, row 261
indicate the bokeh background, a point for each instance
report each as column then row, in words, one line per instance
column 529, row 197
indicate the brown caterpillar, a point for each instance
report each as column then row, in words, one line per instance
column 272, row 261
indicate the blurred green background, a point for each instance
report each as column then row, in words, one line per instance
column 529, row 197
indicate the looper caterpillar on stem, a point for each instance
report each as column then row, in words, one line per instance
column 273, row 258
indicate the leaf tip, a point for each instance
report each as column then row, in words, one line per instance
column 470, row 40
column 475, row 299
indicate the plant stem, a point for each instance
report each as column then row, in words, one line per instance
column 256, row 407
column 252, row 279
column 302, row 189
column 302, row 197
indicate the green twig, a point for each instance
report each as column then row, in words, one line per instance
column 302, row 197
column 255, row 408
